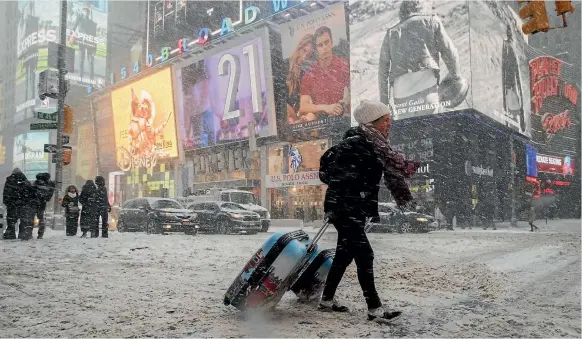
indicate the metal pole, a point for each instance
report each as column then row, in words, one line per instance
column 61, row 109
column 513, row 192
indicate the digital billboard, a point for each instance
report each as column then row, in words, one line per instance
column 38, row 25
column 87, row 35
column 554, row 102
column 316, row 69
column 428, row 57
column 220, row 94
column 29, row 155
column 555, row 164
column 144, row 121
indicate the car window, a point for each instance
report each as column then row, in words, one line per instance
column 212, row 207
column 198, row 207
column 166, row 204
column 230, row 206
column 140, row 203
column 224, row 197
column 129, row 204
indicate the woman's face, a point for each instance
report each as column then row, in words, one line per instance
column 305, row 52
column 73, row 190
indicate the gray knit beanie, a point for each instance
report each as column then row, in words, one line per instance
column 369, row 111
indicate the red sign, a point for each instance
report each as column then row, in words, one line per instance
column 555, row 164
column 552, row 123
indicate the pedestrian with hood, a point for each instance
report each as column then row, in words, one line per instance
column 89, row 210
column 43, row 190
column 103, row 205
column 353, row 170
column 14, row 197
column 71, row 205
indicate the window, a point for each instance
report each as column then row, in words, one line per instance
column 166, row 204
column 224, row 197
column 130, row 204
column 196, row 207
column 212, row 207
column 231, row 206
column 141, row 203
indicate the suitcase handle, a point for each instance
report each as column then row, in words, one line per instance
column 318, row 235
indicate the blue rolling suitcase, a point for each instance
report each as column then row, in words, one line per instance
column 311, row 281
column 273, row 269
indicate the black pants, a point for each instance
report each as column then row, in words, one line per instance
column 72, row 224
column 27, row 223
column 13, row 214
column 352, row 244
column 104, row 223
column 41, row 224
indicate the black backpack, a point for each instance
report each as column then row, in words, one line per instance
column 327, row 165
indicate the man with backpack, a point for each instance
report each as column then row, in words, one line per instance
column 353, row 170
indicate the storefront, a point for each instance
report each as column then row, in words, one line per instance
column 293, row 186
column 466, row 162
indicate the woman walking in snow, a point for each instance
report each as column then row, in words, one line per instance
column 89, row 210
column 71, row 205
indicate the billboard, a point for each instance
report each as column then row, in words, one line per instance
column 555, row 164
column 38, row 25
column 430, row 57
column 316, row 68
column 86, row 160
column 554, row 102
column 29, row 155
column 220, row 94
column 144, row 121
column 87, row 35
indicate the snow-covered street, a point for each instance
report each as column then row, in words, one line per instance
column 464, row 283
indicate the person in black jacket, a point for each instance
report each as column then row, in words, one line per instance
column 14, row 197
column 71, row 205
column 361, row 159
column 89, row 210
column 103, row 205
column 43, row 191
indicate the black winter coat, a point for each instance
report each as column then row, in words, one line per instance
column 90, row 209
column 16, row 190
column 71, row 206
column 102, row 198
column 42, row 192
column 357, row 170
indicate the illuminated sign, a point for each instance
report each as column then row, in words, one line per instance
column 555, row 164
column 144, row 121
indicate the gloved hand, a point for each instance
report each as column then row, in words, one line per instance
column 411, row 167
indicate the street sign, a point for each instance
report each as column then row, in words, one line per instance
column 48, row 105
column 43, row 125
column 46, row 116
column 50, row 148
column 66, row 139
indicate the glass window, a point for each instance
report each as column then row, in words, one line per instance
column 166, row 204
column 242, row 198
column 231, row 206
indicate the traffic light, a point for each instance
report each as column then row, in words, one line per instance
column 68, row 125
column 67, row 156
column 536, row 11
column 563, row 7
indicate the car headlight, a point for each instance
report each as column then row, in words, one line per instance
column 422, row 219
column 268, row 215
column 196, row 226
column 236, row 215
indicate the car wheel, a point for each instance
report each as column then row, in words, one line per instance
column 223, row 226
column 405, row 228
column 120, row 226
column 151, row 227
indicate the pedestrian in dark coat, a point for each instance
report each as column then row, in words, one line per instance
column 352, row 196
column 43, row 191
column 14, row 197
column 89, row 210
column 103, row 205
column 71, row 205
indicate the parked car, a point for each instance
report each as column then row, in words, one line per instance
column 226, row 217
column 156, row 215
column 392, row 219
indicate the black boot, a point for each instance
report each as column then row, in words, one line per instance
column 84, row 235
column 9, row 235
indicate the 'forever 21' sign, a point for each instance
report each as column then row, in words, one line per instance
column 238, row 159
